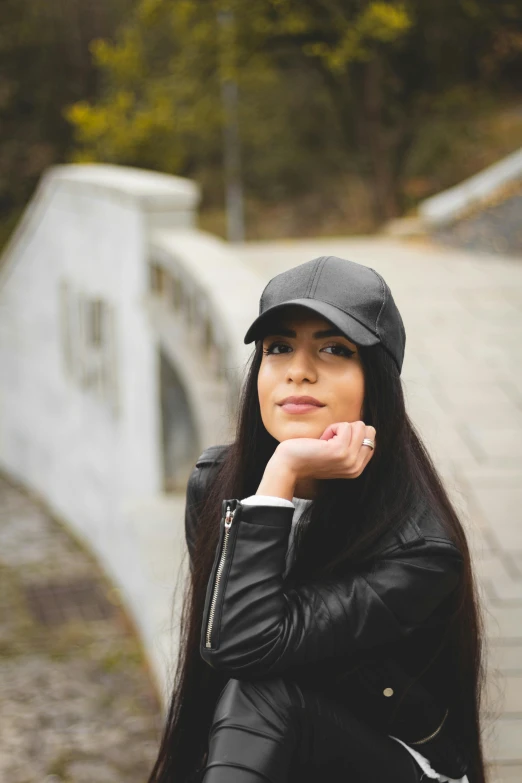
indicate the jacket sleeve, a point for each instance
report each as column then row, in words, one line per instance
column 252, row 626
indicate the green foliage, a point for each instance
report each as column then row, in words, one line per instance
column 324, row 86
column 45, row 64
column 376, row 23
column 147, row 114
column 386, row 95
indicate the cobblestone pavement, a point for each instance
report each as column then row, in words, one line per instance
column 462, row 377
column 77, row 703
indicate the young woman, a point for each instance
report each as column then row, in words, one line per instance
column 331, row 623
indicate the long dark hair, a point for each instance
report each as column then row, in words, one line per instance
column 399, row 473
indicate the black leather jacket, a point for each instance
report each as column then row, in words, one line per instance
column 365, row 638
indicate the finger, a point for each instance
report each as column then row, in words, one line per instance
column 371, row 433
column 368, row 450
column 362, row 460
column 368, row 454
column 340, row 428
column 328, row 433
column 359, row 429
column 364, row 452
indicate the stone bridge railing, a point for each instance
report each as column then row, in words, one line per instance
column 121, row 350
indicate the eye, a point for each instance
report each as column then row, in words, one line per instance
column 345, row 351
column 271, row 347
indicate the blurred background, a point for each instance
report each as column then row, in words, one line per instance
column 160, row 161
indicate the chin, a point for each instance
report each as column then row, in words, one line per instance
column 300, row 431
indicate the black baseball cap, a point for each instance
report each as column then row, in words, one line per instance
column 354, row 297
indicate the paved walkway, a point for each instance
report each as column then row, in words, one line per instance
column 77, row 704
column 463, row 383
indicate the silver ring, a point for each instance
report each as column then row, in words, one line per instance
column 368, row 442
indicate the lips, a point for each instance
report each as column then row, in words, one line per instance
column 302, row 400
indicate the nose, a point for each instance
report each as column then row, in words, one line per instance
column 301, row 367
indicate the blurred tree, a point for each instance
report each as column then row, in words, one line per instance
column 331, row 92
column 357, row 83
column 160, row 103
column 45, row 64
column 160, row 106
column 391, row 67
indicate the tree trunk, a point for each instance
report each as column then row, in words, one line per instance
column 377, row 143
column 361, row 119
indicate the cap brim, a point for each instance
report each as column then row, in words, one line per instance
column 347, row 324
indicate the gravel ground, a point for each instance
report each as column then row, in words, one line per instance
column 77, row 701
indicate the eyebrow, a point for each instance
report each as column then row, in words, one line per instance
column 316, row 335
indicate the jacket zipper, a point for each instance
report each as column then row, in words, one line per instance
column 433, row 735
column 229, row 516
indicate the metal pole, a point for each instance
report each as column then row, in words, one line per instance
column 231, row 137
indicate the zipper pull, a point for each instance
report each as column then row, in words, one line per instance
column 229, row 516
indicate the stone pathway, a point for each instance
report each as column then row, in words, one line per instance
column 77, row 702
column 462, row 377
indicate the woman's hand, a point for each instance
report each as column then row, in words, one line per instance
column 338, row 453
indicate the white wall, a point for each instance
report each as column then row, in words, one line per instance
column 96, row 226
column 87, row 463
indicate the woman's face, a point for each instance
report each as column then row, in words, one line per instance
column 301, row 362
